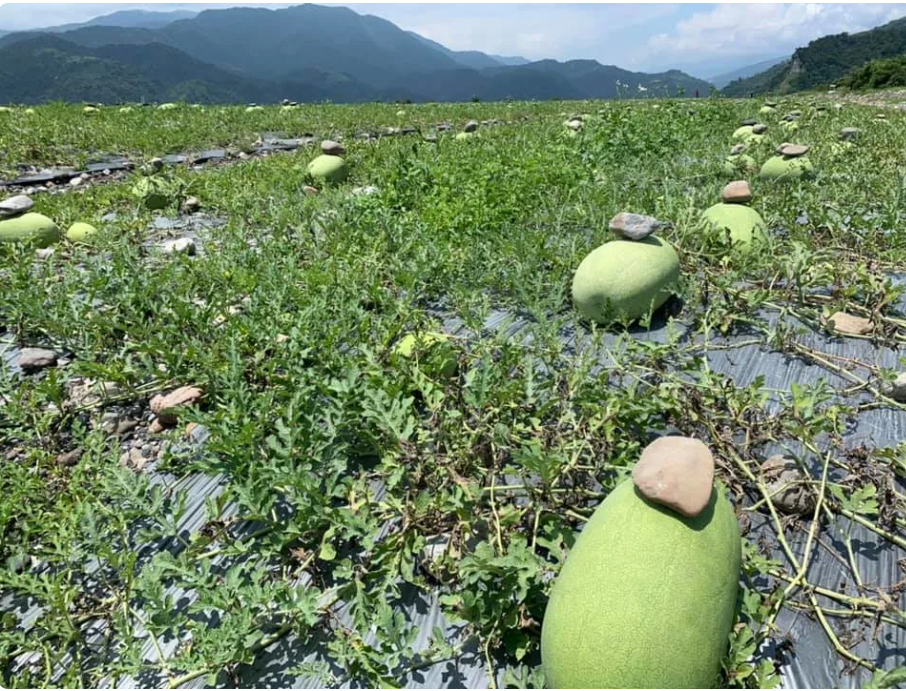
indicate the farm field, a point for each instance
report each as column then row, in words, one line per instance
column 333, row 509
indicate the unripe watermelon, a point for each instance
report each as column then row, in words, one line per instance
column 328, row 168
column 646, row 598
column 744, row 224
column 29, row 228
column 625, row 279
column 740, row 163
column 79, row 232
column 785, row 168
column 436, row 354
column 743, row 133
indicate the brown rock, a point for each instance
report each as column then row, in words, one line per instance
column 164, row 405
column 677, row 472
column 69, row 458
column 124, row 427
column 850, row 324
column 737, row 192
column 155, row 427
column 310, row 191
column 793, row 150
column 787, row 486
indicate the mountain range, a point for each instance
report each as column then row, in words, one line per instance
column 721, row 80
column 824, row 61
column 302, row 53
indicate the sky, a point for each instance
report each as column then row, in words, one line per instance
column 702, row 39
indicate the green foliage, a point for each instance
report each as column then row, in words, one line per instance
column 288, row 320
column 877, row 74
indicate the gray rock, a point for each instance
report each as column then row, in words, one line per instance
column 178, row 246
column 897, row 389
column 155, row 165
column 760, row 128
column 366, row 191
column 332, row 148
column 15, row 206
column 737, row 149
column 635, row 226
column 749, row 123
column 793, row 150
column 850, row 133
column 32, row 359
column 471, row 126
column 190, row 205
column 787, row 486
column 75, row 182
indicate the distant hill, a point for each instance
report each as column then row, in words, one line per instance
column 511, row 60
column 128, row 18
column 721, row 80
column 825, row 60
column 306, row 52
column 467, row 58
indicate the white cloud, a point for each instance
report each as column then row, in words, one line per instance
column 731, row 30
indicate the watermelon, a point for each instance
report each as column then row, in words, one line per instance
column 29, row 228
column 623, row 280
column 744, row 224
column 646, row 598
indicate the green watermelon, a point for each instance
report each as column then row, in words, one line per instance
column 786, row 168
column 328, row 168
column 745, row 225
column 432, row 350
column 79, row 232
column 646, row 598
column 29, row 228
column 738, row 165
column 623, row 280
column 743, row 133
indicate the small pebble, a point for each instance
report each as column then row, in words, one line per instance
column 69, row 458
column 178, row 246
column 897, row 389
column 164, row 405
column 787, row 486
